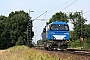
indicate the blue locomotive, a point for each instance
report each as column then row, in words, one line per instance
column 56, row 35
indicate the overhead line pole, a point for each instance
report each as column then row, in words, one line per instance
column 81, row 22
column 29, row 31
column 82, row 29
column 32, row 21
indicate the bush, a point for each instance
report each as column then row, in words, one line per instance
column 86, row 44
column 75, row 43
column 20, row 41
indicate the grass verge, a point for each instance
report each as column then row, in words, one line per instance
column 25, row 53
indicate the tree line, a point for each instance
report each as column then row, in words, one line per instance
column 13, row 29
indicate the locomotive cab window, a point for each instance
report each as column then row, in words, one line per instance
column 59, row 27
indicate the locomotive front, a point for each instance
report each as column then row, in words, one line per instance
column 57, row 35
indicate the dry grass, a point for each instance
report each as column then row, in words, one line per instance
column 25, row 53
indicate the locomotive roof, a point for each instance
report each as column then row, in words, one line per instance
column 58, row 23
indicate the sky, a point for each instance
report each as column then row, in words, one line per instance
column 40, row 6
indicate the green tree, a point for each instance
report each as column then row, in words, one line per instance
column 79, row 30
column 4, row 34
column 20, row 41
column 87, row 36
column 13, row 29
column 59, row 16
column 87, row 31
column 78, row 23
column 17, row 24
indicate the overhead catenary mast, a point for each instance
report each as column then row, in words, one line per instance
column 29, row 28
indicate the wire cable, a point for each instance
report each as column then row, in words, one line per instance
column 60, row 5
column 69, row 5
column 86, row 12
column 57, row 7
column 40, row 15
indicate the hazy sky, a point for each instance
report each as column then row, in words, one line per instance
column 40, row 6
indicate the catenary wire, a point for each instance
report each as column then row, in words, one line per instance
column 69, row 5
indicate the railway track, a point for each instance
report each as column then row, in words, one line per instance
column 71, row 51
column 78, row 52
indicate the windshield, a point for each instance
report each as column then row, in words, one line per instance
column 59, row 27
